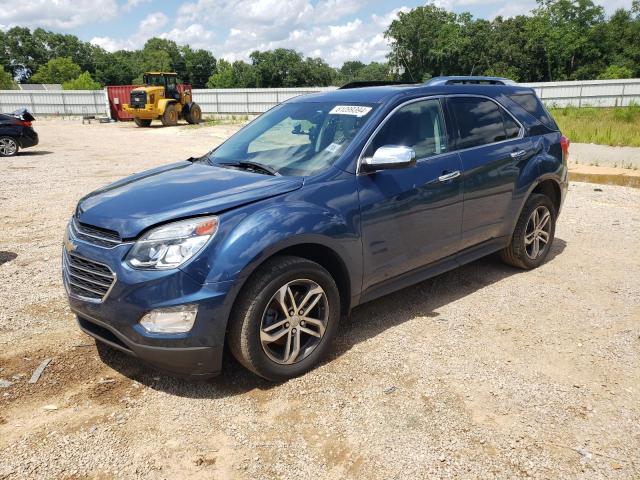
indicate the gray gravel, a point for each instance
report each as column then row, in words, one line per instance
column 483, row 372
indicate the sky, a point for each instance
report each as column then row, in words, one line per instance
column 335, row 30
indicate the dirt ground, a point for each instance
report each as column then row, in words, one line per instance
column 483, row 372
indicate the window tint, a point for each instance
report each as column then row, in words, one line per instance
column 534, row 107
column 479, row 121
column 418, row 125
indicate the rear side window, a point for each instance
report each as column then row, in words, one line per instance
column 534, row 107
column 481, row 122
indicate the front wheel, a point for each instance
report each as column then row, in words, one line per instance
column 8, row 147
column 285, row 319
column 170, row 116
column 533, row 235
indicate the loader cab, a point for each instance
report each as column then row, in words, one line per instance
column 169, row 81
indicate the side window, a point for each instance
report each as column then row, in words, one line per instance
column 511, row 128
column 418, row 125
column 479, row 121
column 534, row 107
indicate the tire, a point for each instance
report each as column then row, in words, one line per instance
column 258, row 307
column 170, row 116
column 8, row 146
column 522, row 251
column 195, row 114
column 141, row 122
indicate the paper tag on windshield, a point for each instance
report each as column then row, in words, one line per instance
column 356, row 110
column 333, row 148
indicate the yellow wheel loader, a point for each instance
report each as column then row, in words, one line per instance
column 161, row 97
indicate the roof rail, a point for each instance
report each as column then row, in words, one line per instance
column 371, row 83
column 470, row 81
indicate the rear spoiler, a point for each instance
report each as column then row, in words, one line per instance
column 23, row 114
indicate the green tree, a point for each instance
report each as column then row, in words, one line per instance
column 57, row 70
column 223, row 78
column 199, row 66
column 356, row 71
column 83, row 82
column 6, row 80
column 117, row 68
column 160, row 52
column 616, row 71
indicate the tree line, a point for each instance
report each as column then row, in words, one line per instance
column 559, row 40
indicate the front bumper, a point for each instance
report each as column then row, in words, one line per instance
column 115, row 318
column 195, row 362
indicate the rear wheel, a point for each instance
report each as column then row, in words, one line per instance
column 170, row 116
column 8, row 147
column 195, row 114
column 141, row 122
column 285, row 318
column 533, row 235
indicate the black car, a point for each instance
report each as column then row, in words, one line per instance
column 16, row 132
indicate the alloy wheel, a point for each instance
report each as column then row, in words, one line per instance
column 538, row 232
column 8, row 146
column 294, row 321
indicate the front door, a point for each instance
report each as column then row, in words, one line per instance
column 412, row 216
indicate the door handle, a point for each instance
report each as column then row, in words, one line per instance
column 449, row 176
column 519, row 154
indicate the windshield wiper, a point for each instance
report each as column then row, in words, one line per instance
column 249, row 165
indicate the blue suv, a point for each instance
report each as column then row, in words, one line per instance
column 324, row 202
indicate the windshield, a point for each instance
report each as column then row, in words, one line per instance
column 295, row 139
column 154, row 80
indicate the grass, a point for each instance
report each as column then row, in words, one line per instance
column 618, row 126
column 222, row 120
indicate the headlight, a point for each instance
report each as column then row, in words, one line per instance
column 169, row 246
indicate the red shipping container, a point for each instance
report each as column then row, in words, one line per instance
column 120, row 94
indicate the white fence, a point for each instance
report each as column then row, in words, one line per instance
column 247, row 100
column 597, row 93
column 589, row 93
column 62, row 102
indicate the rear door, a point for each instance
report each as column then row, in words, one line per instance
column 493, row 152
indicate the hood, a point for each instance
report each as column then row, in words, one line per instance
column 176, row 191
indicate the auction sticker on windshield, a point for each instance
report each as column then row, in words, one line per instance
column 357, row 110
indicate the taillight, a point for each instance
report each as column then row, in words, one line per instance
column 564, row 144
column 24, row 123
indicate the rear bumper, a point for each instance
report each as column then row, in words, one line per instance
column 148, row 112
column 28, row 139
column 191, row 362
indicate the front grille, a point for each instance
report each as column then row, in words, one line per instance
column 94, row 235
column 138, row 99
column 85, row 278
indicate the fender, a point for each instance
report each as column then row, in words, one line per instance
column 276, row 227
column 545, row 165
column 164, row 102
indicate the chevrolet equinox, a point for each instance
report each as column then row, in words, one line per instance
column 323, row 203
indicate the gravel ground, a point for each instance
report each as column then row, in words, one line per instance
column 483, row 372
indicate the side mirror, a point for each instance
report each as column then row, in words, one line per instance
column 390, row 156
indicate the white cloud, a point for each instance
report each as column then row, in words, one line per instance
column 132, row 4
column 232, row 29
column 59, row 14
column 148, row 27
column 152, row 23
